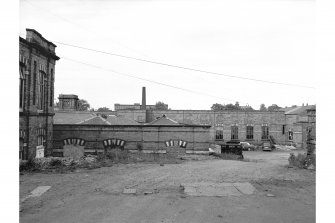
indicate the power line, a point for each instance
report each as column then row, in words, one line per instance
column 148, row 80
column 80, row 26
column 157, row 62
column 181, row 67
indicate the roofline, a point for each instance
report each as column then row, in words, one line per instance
column 42, row 49
column 97, row 125
column 40, row 35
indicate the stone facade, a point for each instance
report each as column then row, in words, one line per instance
column 37, row 61
column 68, row 102
column 145, row 138
column 223, row 121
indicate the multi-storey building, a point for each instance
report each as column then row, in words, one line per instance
column 36, row 104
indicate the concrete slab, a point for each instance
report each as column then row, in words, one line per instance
column 129, row 191
column 245, row 188
column 211, row 189
column 38, row 191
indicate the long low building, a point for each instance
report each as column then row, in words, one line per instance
column 89, row 133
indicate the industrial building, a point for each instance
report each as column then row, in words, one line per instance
column 37, row 60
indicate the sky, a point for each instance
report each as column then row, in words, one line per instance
column 270, row 40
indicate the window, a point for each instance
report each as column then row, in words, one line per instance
column 265, row 131
column 290, row 135
column 283, row 130
column 40, row 137
column 41, row 90
column 21, row 149
column 51, row 87
column 22, row 85
column 219, row 134
column 34, row 83
column 250, row 132
column 234, row 132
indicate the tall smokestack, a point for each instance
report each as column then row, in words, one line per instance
column 144, row 104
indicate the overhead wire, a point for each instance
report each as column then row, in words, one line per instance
column 162, row 63
column 148, row 80
column 181, row 67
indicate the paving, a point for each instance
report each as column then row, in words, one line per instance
column 218, row 189
column 192, row 191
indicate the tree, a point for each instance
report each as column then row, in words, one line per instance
column 103, row 109
column 274, row 107
column 161, row 106
column 262, row 107
column 83, row 105
column 217, row 107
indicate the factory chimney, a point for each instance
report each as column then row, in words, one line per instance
column 144, row 104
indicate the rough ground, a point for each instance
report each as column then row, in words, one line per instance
column 282, row 194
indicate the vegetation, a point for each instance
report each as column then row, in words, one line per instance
column 161, row 106
column 302, row 160
column 103, row 109
column 230, row 107
column 83, row 105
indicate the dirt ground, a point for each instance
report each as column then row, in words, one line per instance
column 282, row 194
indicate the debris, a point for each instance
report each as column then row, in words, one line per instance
column 220, row 216
column 148, row 192
column 270, row 195
column 161, row 164
column 129, row 191
column 311, row 167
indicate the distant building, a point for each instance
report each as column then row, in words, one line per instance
column 68, row 102
column 137, row 106
column 37, row 60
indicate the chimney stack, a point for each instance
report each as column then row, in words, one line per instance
column 144, row 104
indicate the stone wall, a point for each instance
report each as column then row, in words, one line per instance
column 223, row 120
column 147, row 138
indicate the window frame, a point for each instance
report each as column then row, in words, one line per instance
column 234, row 132
column 219, row 137
column 250, row 132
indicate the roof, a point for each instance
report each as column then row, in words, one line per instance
column 72, row 117
column 97, row 120
column 120, row 120
column 89, row 118
column 300, row 110
column 164, row 120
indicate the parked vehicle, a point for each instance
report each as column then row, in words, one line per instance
column 247, row 146
column 267, row 146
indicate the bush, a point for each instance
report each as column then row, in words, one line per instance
column 117, row 155
column 228, row 156
column 28, row 165
column 302, row 160
column 55, row 163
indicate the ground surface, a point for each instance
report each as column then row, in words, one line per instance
column 281, row 194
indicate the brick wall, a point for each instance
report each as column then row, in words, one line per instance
column 35, row 116
column 152, row 138
column 225, row 119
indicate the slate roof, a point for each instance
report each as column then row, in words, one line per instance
column 164, row 121
column 89, row 118
column 120, row 120
column 97, row 120
column 71, row 117
column 300, row 110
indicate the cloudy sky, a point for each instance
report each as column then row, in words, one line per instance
column 270, row 40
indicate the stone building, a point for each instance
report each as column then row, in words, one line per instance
column 68, row 102
column 82, row 132
column 37, row 60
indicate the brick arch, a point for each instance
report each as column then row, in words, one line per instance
column 176, row 143
column 74, row 141
column 114, row 143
